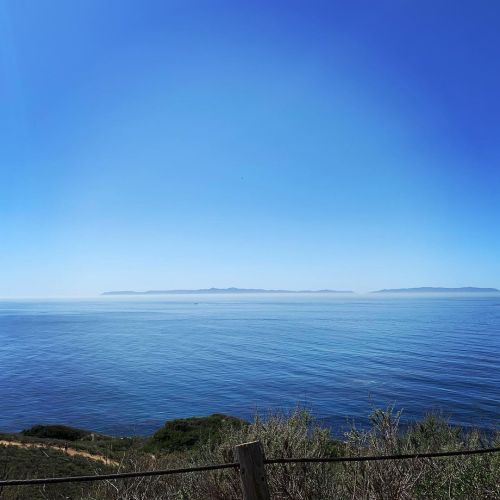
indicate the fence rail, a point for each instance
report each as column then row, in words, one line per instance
column 250, row 463
column 382, row 457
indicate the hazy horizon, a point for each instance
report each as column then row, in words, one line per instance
column 339, row 293
column 299, row 146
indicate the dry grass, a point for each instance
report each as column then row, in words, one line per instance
column 298, row 435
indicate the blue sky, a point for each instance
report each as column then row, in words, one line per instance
column 185, row 144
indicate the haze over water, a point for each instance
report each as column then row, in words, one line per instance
column 125, row 365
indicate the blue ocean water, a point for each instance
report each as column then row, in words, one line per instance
column 125, row 365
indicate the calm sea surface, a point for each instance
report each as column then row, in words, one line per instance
column 125, row 365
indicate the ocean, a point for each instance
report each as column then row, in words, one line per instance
column 126, row 365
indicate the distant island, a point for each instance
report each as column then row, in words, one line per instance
column 218, row 290
column 431, row 289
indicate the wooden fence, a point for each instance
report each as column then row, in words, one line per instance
column 251, row 462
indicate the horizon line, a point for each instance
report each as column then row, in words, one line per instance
column 256, row 291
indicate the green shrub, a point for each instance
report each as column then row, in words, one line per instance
column 185, row 433
column 62, row 432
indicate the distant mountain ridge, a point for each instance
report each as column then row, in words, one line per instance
column 218, row 290
column 431, row 289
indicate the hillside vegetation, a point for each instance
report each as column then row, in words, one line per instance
column 186, row 433
column 209, row 440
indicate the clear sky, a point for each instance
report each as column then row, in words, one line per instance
column 278, row 144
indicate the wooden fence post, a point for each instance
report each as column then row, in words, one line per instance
column 250, row 456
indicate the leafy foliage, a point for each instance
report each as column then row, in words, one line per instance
column 185, row 433
column 62, row 432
